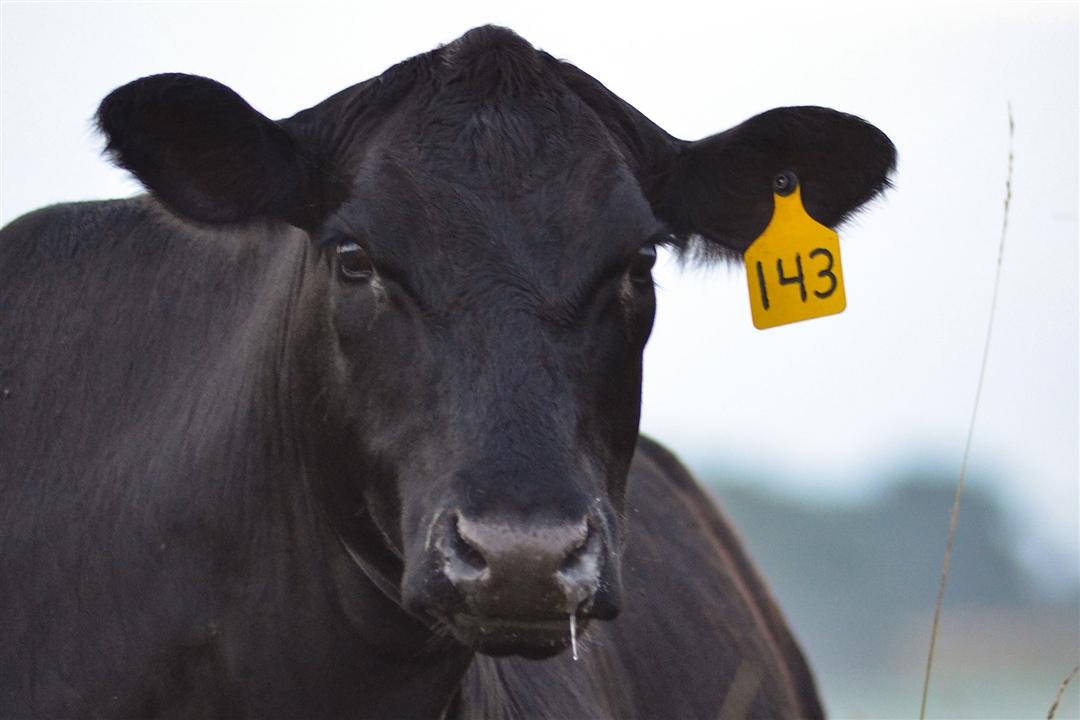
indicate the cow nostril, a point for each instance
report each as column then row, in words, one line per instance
column 502, row 569
column 574, row 557
column 464, row 560
column 580, row 564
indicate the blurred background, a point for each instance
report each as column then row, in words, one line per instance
column 834, row 444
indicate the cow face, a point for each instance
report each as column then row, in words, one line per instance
column 494, row 327
column 483, row 222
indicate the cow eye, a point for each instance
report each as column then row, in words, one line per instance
column 642, row 265
column 353, row 262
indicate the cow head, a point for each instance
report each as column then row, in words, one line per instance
column 483, row 221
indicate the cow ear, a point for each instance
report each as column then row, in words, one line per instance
column 720, row 189
column 209, row 156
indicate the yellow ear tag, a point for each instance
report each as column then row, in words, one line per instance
column 793, row 267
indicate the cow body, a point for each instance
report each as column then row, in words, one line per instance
column 170, row 558
column 345, row 413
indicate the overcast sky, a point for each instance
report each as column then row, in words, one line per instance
column 824, row 408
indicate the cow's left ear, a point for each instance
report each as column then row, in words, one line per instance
column 211, row 157
column 721, row 188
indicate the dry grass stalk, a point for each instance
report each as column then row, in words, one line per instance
column 1061, row 692
column 955, row 513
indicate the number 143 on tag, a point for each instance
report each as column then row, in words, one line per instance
column 793, row 268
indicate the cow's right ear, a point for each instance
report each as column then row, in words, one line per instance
column 212, row 158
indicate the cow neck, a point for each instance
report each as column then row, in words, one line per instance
column 404, row 651
column 403, row 654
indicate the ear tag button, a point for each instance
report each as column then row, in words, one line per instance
column 793, row 268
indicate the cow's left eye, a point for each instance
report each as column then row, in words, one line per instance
column 642, row 265
column 353, row 261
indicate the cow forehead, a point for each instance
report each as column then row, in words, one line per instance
column 490, row 164
column 514, row 141
column 497, row 114
column 497, row 181
column 580, row 216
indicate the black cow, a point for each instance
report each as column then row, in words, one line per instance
column 341, row 420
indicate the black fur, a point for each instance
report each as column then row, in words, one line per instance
column 718, row 189
column 219, row 457
column 210, row 156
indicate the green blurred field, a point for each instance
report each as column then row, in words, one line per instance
column 858, row 584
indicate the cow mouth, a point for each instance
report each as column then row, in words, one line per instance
column 535, row 638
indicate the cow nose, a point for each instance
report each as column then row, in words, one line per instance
column 507, row 569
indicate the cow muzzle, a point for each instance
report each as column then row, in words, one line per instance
column 512, row 587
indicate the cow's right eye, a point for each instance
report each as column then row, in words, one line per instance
column 641, row 267
column 353, row 261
